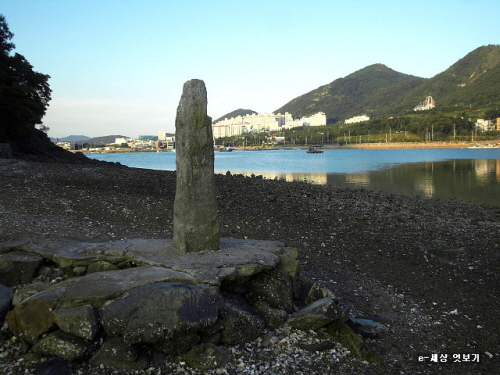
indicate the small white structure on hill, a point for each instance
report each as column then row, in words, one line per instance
column 355, row 119
column 427, row 104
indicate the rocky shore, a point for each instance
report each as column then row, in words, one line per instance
column 429, row 269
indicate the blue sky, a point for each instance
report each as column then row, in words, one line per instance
column 118, row 66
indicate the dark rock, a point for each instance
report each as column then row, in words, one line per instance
column 101, row 266
column 6, row 295
column 18, row 267
column 79, row 321
column 155, row 312
column 315, row 315
column 317, row 292
column 178, row 344
column 272, row 287
column 196, row 219
column 274, row 317
column 97, row 288
column 29, row 290
column 56, row 366
column 366, row 327
column 34, row 315
column 60, row 344
column 116, row 353
column 240, row 322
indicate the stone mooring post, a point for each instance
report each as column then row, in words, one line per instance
column 196, row 219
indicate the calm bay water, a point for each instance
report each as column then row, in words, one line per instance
column 471, row 175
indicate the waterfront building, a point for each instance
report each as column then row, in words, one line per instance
column 165, row 140
column 485, row 125
column 261, row 122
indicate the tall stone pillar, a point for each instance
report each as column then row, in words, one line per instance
column 196, row 219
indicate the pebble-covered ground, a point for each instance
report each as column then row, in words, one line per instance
column 429, row 269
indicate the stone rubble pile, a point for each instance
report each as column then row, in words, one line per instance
column 133, row 303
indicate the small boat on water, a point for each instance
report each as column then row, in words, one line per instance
column 314, row 150
column 226, row 149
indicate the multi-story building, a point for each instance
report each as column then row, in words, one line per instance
column 165, row 140
column 485, row 125
column 261, row 122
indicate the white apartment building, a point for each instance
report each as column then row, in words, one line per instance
column 355, row 119
column 485, row 125
column 261, row 122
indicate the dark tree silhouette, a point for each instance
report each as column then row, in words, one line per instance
column 24, row 98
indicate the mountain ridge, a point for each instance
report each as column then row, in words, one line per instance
column 379, row 91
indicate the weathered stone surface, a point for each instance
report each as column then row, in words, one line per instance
column 237, row 259
column 315, row 315
column 158, row 311
column 34, row 316
column 69, row 252
column 101, row 266
column 6, row 295
column 97, row 288
column 28, row 290
column 240, row 322
column 18, row 267
column 367, row 328
column 116, row 353
column 274, row 317
column 288, row 261
column 60, row 344
column 170, row 303
column 207, row 356
column 196, row 219
column 178, row 343
column 79, row 321
column 272, row 287
column 319, row 291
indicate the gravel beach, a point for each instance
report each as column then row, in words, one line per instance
column 427, row 268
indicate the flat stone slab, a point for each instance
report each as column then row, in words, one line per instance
column 96, row 288
column 235, row 259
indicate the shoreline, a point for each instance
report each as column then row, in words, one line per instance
column 389, row 145
column 380, row 145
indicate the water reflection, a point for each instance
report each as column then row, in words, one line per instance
column 471, row 180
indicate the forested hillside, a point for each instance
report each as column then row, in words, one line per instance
column 379, row 91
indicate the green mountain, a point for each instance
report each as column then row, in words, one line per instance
column 238, row 112
column 379, row 91
column 367, row 91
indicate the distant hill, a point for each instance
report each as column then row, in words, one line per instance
column 74, row 138
column 238, row 112
column 377, row 90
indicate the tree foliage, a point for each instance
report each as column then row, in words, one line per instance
column 24, row 96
